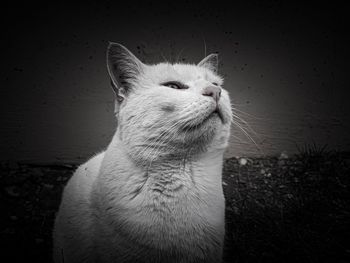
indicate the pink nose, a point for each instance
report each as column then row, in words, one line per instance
column 212, row 91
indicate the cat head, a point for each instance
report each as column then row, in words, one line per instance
column 168, row 109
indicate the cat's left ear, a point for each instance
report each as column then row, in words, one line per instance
column 123, row 68
column 210, row 62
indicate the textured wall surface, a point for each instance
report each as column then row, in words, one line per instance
column 284, row 66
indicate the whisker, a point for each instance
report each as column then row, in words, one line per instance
column 159, row 141
column 164, row 123
column 246, row 134
column 164, row 58
column 245, row 113
column 178, row 56
column 245, row 123
column 170, row 135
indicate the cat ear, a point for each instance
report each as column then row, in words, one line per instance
column 210, row 62
column 123, row 67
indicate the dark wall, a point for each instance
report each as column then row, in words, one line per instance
column 284, row 65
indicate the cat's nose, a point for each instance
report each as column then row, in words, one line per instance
column 212, row 91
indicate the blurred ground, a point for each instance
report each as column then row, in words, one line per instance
column 286, row 209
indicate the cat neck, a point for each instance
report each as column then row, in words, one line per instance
column 201, row 169
column 177, row 158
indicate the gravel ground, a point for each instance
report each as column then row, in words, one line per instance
column 286, row 209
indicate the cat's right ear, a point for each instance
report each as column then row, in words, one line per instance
column 123, row 68
column 210, row 62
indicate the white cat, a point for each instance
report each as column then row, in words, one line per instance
column 155, row 194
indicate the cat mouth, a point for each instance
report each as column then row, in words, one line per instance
column 213, row 115
column 219, row 113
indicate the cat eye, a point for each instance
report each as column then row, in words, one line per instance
column 175, row 85
column 215, row 84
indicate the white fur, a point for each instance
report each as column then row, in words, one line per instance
column 155, row 194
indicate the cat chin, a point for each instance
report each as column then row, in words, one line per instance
column 204, row 133
column 214, row 118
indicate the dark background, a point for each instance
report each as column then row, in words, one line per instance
column 285, row 64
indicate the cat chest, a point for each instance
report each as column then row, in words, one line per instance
column 180, row 232
column 179, row 223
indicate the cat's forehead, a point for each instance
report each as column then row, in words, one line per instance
column 181, row 72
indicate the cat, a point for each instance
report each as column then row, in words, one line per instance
column 155, row 194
